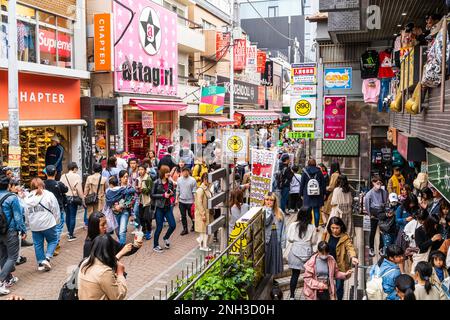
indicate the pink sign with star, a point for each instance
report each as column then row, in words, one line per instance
column 146, row 54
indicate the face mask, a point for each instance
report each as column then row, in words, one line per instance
column 323, row 257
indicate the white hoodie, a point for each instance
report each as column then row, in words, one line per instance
column 37, row 217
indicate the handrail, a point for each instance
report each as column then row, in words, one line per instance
column 219, row 257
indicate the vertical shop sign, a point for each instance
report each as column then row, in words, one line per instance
column 222, row 41
column 14, row 157
column 261, row 61
column 251, row 59
column 263, row 171
column 240, row 54
column 335, row 118
column 147, row 120
column 102, row 42
column 267, row 76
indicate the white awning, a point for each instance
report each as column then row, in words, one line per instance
column 47, row 123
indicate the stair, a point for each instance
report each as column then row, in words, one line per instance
column 284, row 278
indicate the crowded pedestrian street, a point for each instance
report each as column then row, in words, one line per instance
column 237, row 151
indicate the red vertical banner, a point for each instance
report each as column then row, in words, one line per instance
column 240, row 54
column 222, row 41
column 261, row 61
column 335, row 118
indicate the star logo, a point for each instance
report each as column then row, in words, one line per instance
column 150, row 31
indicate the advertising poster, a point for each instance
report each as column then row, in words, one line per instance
column 222, row 41
column 338, row 78
column 303, row 73
column 235, row 145
column 240, row 54
column 335, row 118
column 147, row 119
column 251, row 59
column 212, row 100
column 263, row 171
column 303, row 107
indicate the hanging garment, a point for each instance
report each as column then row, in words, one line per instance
column 369, row 64
column 385, row 70
column 371, row 90
column 384, row 92
column 21, row 34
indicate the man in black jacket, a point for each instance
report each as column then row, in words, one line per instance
column 59, row 189
column 286, row 176
column 167, row 160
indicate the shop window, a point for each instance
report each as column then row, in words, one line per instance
column 47, row 46
column 25, row 12
column 64, row 50
column 64, row 23
column 164, row 116
column 273, row 11
column 26, row 40
column 46, row 18
column 134, row 116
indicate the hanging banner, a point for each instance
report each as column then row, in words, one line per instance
column 261, row 61
column 338, row 78
column 147, row 120
column 303, row 90
column 303, row 125
column 235, row 145
column 102, row 42
column 240, row 55
column 212, row 100
column 222, row 41
column 263, row 171
column 251, row 59
column 267, row 76
column 303, row 107
column 14, row 157
column 303, row 73
column 335, row 118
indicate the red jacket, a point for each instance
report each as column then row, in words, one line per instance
column 311, row 284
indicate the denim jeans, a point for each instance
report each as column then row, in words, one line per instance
column 9, row 252
column 71, row 217
column 316, row 211
column 340, row 289
column 162, row 213
column 384, row 92
column 136, row 212
column 60, row 226
column 284, row 198
column 49, row 235
column 388, row 239
column 85, row 218
column 122, row 222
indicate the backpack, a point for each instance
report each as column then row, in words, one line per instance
column 69, row 290
column 313, row 187
column 4, row 224
column 374, row 287
column 402, row 240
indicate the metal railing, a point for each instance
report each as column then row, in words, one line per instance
column 236, row 245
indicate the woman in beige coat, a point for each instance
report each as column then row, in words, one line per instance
column 101, row 276
column 92, row 185
column 334, row 172
column 203, row 216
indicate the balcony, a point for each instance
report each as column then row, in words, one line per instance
column 190, row 36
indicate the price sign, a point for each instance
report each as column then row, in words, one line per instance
column 300, row 135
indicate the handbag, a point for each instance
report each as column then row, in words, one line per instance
column 419, row 257
column 76, row 200
column 92, row 198
column 69, row 290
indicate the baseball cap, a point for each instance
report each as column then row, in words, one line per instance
column 56, row 138
column 50, row 170
column 393, row 197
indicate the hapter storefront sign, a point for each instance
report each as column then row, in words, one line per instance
column 244, row 93
column 146, row 57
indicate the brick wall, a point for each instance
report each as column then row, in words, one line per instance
column 432, row 125
column 65, row 8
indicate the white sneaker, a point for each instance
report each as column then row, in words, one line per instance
column 206, row 249
column 3, row 290
column 167, row 243
column 46, row 264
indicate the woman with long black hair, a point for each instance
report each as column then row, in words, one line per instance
column 405, row 286
column 425, row 289
column 102, row 276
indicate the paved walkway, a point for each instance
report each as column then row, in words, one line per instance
column 142, row 267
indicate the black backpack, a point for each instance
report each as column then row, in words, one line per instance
column 69, row 290
column 4, row 224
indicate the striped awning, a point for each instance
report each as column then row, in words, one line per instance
column 219, row 120
column 260, row 116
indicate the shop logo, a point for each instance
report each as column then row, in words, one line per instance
column 235, row 144
column 303, row 107
column 150, row 31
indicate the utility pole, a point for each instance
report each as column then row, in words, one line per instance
column 13, row 90
column 235, row 23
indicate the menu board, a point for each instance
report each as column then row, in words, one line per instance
column 263, row 169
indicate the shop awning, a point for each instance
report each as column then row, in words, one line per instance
column 259, row 116
column 219, row 120
column 158, row 105
column 47, row 123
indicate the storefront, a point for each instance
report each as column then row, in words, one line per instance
column 146, row 79
column 48, row 106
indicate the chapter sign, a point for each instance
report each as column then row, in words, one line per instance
column 303, row 107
